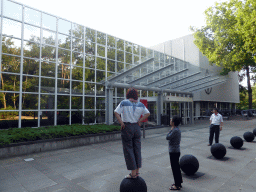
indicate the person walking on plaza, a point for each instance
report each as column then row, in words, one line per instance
column 216, row 122
column 174, row 137
column 131, row 110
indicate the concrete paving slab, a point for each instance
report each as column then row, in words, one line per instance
column 101, row 167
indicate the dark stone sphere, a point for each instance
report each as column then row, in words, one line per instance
column 218, row 150
column 189, row 164
column 236, row 142
column 133, row 185
column 254, row 131
column 249, row 136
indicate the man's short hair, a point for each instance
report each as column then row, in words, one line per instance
column 176, row 120
column 215, row 109
column 132, row 93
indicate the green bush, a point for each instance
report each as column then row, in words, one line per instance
column 16, row 135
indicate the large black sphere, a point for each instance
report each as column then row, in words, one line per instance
column 254, row 131
column 189, row 164
column 236, row 142
column 218, row 150
column 133, row 185
column 249, row 136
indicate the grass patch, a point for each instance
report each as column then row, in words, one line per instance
column 16, row 135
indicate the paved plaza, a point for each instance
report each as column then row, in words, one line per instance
column 101, row 167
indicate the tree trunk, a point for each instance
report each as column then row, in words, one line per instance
column 249, row 87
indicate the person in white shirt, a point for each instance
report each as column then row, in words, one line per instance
column 131, row 110
column 216, row 123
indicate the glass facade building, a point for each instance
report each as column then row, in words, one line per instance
column 51, row 69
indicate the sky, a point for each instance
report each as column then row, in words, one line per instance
column 144, row 22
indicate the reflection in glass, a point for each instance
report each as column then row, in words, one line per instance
column 48, row 69
column 76, row 117
column 31, row 33
column 63, row 71
column 89, row 102
column 9, row 82
column 90, row 48
column 63, row 102
column 48, row 53
column 100, row 90
column 9, row 101
column 64, row 41
column 64, row 56
column 29, row 119
column 143, row 52
column 29, row 101
column 89, row 75
column 10, row 64
column 31, row 50
column 111, row 65
column 120, row 55
column 49, row 22
column 47, row 101
column 100, row 75
column 47, row 85
column 101, row 38
column 136, row 59
column 77, row 59
column 76, row 102
column 49, row 37
column 62, row 117
column 90, row 35
column 30, row 84
column 11, row 46
column 120, row 44
column 111, row 41
column 128, row 47
column 136, row 49
column 78, row 31
column 120, row 66
column 77, row 87
column 100, row 51
column 11, row 28
column 89, row 117
column 12, row 10
column 101, row 63
column 77, row 73
column 9, row 119
column 63, row 86
column 30, row 67
column 32, row 16
column 64, row 26
column 128, row 58
column 100, row 103
column 111, row 53
column 90, row 61
column 78, row 45
column 89, row 88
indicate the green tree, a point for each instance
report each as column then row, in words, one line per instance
column 222, row 40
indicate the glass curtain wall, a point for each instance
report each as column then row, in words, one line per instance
column 51, row 68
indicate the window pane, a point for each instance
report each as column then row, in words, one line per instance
column 143, row 52
column 9, row 119
column 30, row 84
column 90, row 35
column 76, row 117
column 101, row 38
column 76, row 102
column 89, row 75
column 120, row 66
column 64, row 26
column 32, row 16
column 90, row 61
column 48, row 69
column 78, row 45
column 77, row 73
column 29, row 119
column 64, row 41
column 100, row 76
column 100, row 90
column 77, row 87
column 128, row 47
column 63, row 117
column 47, row 85
column 49, row 37
column 48, row 53
column 63, row 86
column 64, row 71
column 89, row 88
column 89, row 102
column 78, row 31
column 49, row 22
column 111, row 41
column 101, row 63
column 136, row 49
column 100, row 103
column 100, row 51
column 31, row 49
column 64, row 56
column 12, row 10
column 63, row 102
column 100, row 116
column 128, row 58
column 89, row 117
column 29, row 101
column 31, row 33
column 47, row 101
column 11, row 28
column 89, row 48
column 10, row 64
column 9, row 101
column 111, row 66
column 111, row 53
column 11, row 46
column 30, row 67
column 77, row 59
column 120, row 44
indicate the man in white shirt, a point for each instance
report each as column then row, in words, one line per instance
column 131, row 110
column 216, row 122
